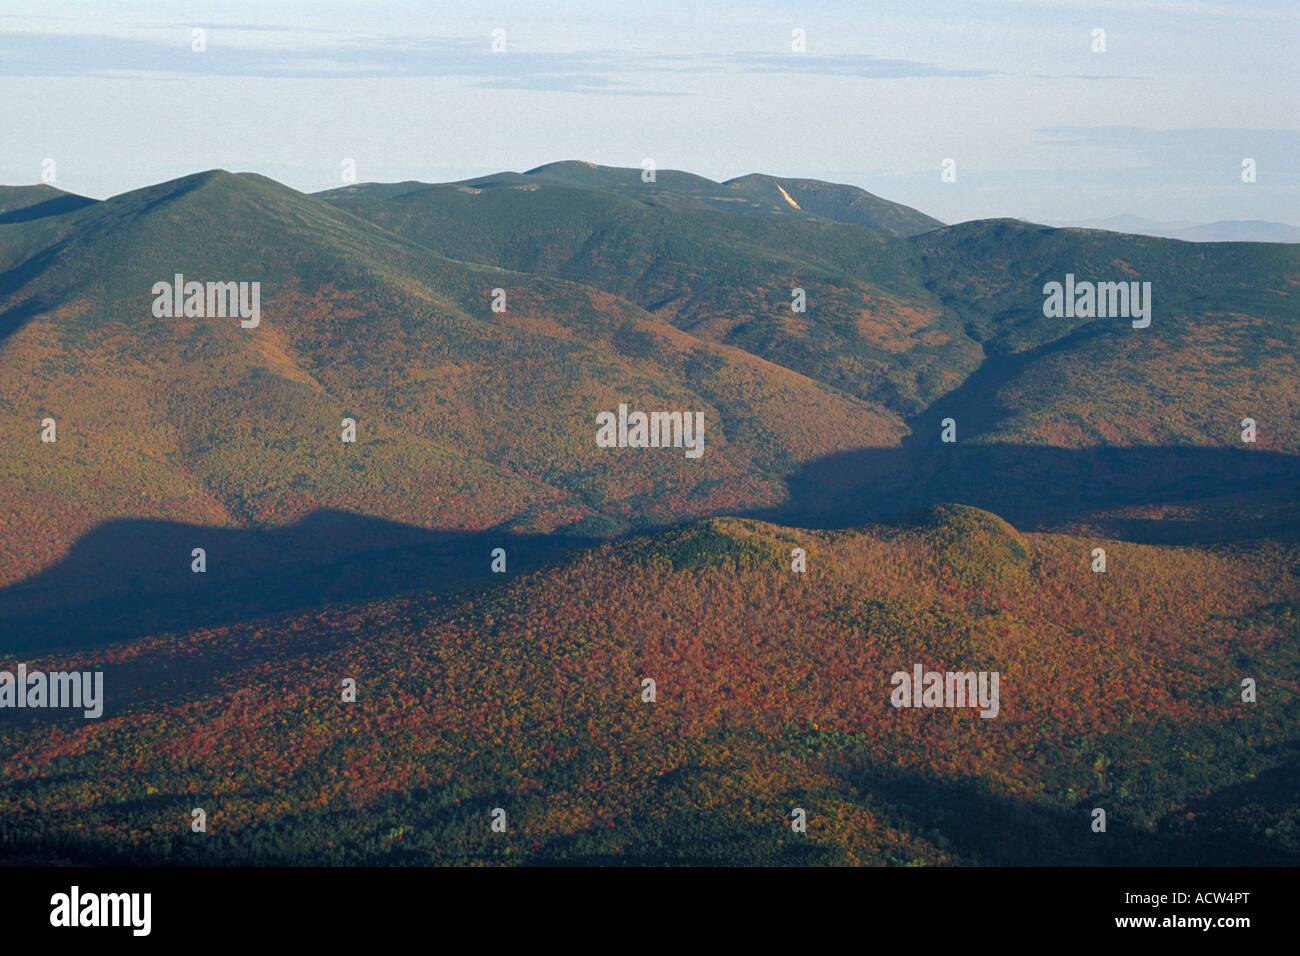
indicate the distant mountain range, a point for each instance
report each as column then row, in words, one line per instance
column 1225, row 230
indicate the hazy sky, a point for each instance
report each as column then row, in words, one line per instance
column 1039, row 125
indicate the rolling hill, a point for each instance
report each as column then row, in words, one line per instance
column 1118, row 691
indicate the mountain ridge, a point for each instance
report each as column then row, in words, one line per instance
column 378, row 306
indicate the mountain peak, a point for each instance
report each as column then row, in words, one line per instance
column 835, row 201
column 563, row 165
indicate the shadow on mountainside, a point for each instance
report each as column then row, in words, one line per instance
column 1246, row 822
column 1040, row 486
column 1034, row 487
column 14, row 317
column 133, row 577
column 993, row 829
column 55, row 206
column 963, row 817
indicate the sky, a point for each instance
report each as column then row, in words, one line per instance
column 1038, row 124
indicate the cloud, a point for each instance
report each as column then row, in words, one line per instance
column 1186, row 142
column 862, row 65
column 271, row 52
column 312, row 55
column 572, row 83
